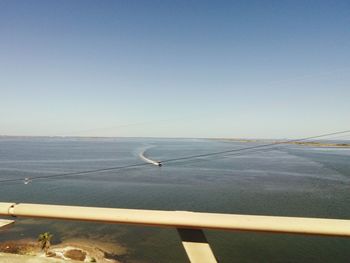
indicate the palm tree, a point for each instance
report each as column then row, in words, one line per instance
column 45, row 241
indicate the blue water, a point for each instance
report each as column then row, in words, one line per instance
column 287, row 181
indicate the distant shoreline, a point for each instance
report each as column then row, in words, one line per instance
column 326, row 144
column 320, row 144
column 300, row 143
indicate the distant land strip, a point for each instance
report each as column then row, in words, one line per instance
column 313, row 144
column 321, row 144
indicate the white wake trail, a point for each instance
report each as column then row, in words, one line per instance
column 143, row 157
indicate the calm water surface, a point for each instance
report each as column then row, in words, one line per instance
column 286, row 181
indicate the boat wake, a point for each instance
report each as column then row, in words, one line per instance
column 148, row 160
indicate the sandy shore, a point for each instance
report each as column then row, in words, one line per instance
column 73, row 250
column 14, row 258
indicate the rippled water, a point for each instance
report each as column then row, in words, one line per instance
column 288, row 181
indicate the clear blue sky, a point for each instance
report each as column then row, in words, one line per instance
column 174, row 68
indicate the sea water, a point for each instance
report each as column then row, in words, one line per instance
column 288, row 180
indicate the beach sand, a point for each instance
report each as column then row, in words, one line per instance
column 14, row 258
column 72, row 250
